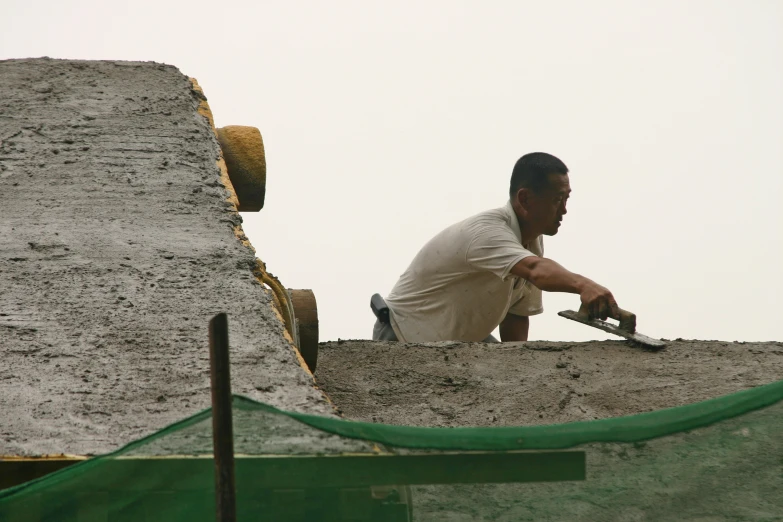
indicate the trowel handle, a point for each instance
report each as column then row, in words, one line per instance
column 627, row 319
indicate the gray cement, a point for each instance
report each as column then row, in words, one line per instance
column 513, row 384
column 517, row 384
column 117, row 246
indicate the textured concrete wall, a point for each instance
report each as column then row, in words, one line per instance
column 118, row 243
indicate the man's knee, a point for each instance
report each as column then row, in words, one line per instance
column 383, row 332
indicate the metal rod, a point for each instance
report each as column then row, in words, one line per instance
column 222, row 430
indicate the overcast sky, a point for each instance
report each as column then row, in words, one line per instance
column 385, row 122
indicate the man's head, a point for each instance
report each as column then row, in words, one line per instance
column 539, row 191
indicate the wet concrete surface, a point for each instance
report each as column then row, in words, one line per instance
column 117, row 246
column 691, row 476
column 517, row 384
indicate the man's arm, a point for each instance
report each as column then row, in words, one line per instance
column 514, row 328
column 552, row 277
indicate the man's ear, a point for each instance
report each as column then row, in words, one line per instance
column 523, row 198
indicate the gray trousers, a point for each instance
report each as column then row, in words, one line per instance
column 384, row 332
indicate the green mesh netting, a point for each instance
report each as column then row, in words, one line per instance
column 712, row 461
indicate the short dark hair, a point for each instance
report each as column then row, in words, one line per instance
column 532, row 170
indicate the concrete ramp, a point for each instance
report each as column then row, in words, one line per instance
column 119, row 240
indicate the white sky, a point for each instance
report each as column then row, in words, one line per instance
column 385, row 122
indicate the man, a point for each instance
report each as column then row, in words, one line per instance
column 489, row 269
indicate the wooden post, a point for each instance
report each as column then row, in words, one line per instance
column 222, row 431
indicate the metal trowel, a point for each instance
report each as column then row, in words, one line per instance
column 626, row 328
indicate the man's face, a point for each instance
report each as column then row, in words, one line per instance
column 546, row 209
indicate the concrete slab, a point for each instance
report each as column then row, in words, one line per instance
column 474, row 384
column 517, row 384
column 118, row 243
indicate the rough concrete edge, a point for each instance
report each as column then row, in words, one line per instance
column 204, row 110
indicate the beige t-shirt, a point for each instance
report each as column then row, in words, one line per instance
column 459, row 286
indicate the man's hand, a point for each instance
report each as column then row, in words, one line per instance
column 551, row 277
column 599, row 301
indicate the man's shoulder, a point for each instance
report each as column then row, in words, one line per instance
column 457, row 237
column 501, row 220
column 495, row 216
column 468, row 225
